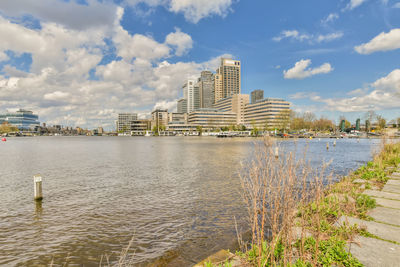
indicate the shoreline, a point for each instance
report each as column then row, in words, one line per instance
column 360, row 213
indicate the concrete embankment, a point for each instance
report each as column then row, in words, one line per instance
column 383, row 247
column 356, row 222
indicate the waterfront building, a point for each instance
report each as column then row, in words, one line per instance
column 124, row 121
column 22, row 119
column 177, row 117
column 192, row 95
column 182, row 106
column 257, row 95
column 181, row 127
column 159, row 119
column 231, row 80
column 236, row 104
column 206, row 89
column 140, row 127
column 267, row 113
column 211, row 118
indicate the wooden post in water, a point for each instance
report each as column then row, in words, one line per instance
column 37, row 187
column 334, row 143
column 276, row 152
column 327, row 146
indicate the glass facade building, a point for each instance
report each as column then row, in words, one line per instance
column 23, row 119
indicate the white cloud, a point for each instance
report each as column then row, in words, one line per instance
column 397, row 5
column 170, row 105
column 56, row 96
column 330, row 18
column 3, row 56
column 381, row 94
column 69, row 14
column 301, row 70
column 193, row 10
column 292, row 34
column 182, row 41
column 329, row 37
column 297, row 36
column 354, row 3
column 59, row 85
column 382, row 42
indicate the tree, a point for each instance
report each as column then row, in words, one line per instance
column 6, row 127
column 323, row 124
column 381, row 122
column 284, row 120
column 155, row 129
column 398, row 122
column 199, row 129
column 370, row 115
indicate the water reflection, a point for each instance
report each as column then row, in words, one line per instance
column 38, row 209
column 177, row 196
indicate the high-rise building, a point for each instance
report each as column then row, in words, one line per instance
column 192, row 95
column 231, row 80
column 218, row 87
column 257, row 95
column 182, row 106
column 235, row 103
column 206, row 89
column 124, row 121
column 267, row 113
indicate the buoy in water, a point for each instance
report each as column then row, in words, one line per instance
column 3, row 139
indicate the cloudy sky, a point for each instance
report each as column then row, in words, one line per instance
column 80, row 62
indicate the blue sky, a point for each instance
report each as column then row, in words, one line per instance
column 79, row 63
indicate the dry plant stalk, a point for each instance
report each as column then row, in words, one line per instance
column 273, row 188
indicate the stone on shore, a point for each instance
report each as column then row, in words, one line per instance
column 393, row 182
column 381, row 230
column 391, row 188
column 359, row 181
column 372, row 252
column 221, row 257
column 386, row 215
column 382, row 194
column 388, row 203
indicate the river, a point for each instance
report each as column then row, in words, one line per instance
column 174, row 197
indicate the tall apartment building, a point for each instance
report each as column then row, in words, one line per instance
column 182, row 106
column 124, row 121
column 257, row 95
column 266, row 113
column 206, row 89
column 192, row 95
column 230, row 75
column 235, row 103
column 218, row 87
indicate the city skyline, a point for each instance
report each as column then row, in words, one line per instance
column 80, row 63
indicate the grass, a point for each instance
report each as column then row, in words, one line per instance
column 286, row 192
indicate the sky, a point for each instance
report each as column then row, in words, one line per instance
column 81, row 62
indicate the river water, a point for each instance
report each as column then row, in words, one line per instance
column 174, row 197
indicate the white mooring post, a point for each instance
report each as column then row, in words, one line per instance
column 276, row 152
column 37, row 186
